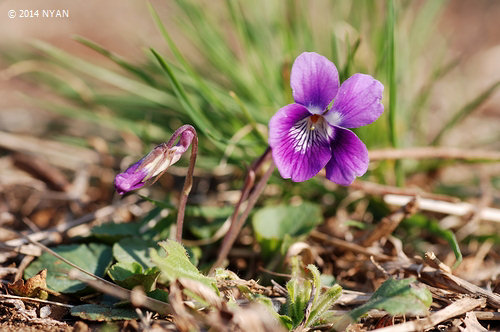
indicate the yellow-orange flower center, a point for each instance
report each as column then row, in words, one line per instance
column 315, row 118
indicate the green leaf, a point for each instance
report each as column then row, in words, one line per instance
column 130, row 275
column 209, row 212
column 327, row 280
column 323, row 303
column 299, row 293
column 316, row 281
column 204, row 230
column 204, row 221
column 397, row 297
column 112, row 232
column 161, row 204
column 272, row 224
column 96, row 312
column 158, row 294
column 286, row 321
column 177, row 265
column 94, row 258
column 134, row 250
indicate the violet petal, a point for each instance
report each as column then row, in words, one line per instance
column 131, row 179
column 357, row 103
column 299, row 152
column 314, row 80
column 349, row 157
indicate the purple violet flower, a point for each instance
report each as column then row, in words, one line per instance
column 309, row 135
column 153, row 165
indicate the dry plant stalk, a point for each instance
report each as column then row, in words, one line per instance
column 431, row 259
column 433, row 153
column 455, row 309
column 388, row 224
column 444, row 280
column 373, row 188
column 350, row 246
column 238, row 222
column 456, row 209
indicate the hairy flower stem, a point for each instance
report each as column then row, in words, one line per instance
column 188, row 182
column 237, row 223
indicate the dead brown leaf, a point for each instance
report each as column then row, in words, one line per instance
column 35, row 286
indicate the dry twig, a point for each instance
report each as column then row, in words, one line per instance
column 349, row 246
column 388, row 224
column 444, row 280
column 41, row 169
column 434, row 153
column 373, row 188
column 455, row 309
column 34, row 299
column 486, row 199
column 457, row 209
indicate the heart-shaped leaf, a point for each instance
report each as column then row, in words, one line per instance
column 94, row 258
column 275, row 223
column 176, row 264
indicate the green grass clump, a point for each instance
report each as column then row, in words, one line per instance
column 245, row 53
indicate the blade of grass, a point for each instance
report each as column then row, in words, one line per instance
column 418, row 110
column 67, row 85
column 465, row 111
column 334, row 48
column 391, row 74
column 351, row 53
column 108, row 76
column 208, row 38
column 288, row 28
column 255, row 50
column 135, row 70
column 433, row 226
column 248, row 116
column 425, row 23
column 112, row 122
column 238, row 20
column 204, row 89
column 199, row 119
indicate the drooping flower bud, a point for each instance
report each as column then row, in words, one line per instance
column 147, row 170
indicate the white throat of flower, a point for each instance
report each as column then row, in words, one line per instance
column 308, row 132
column 334, row 118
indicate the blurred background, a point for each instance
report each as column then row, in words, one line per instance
column 85, row 94
column 465, row 31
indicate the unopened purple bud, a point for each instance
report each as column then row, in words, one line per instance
column 153, row 165
column 131, row 179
